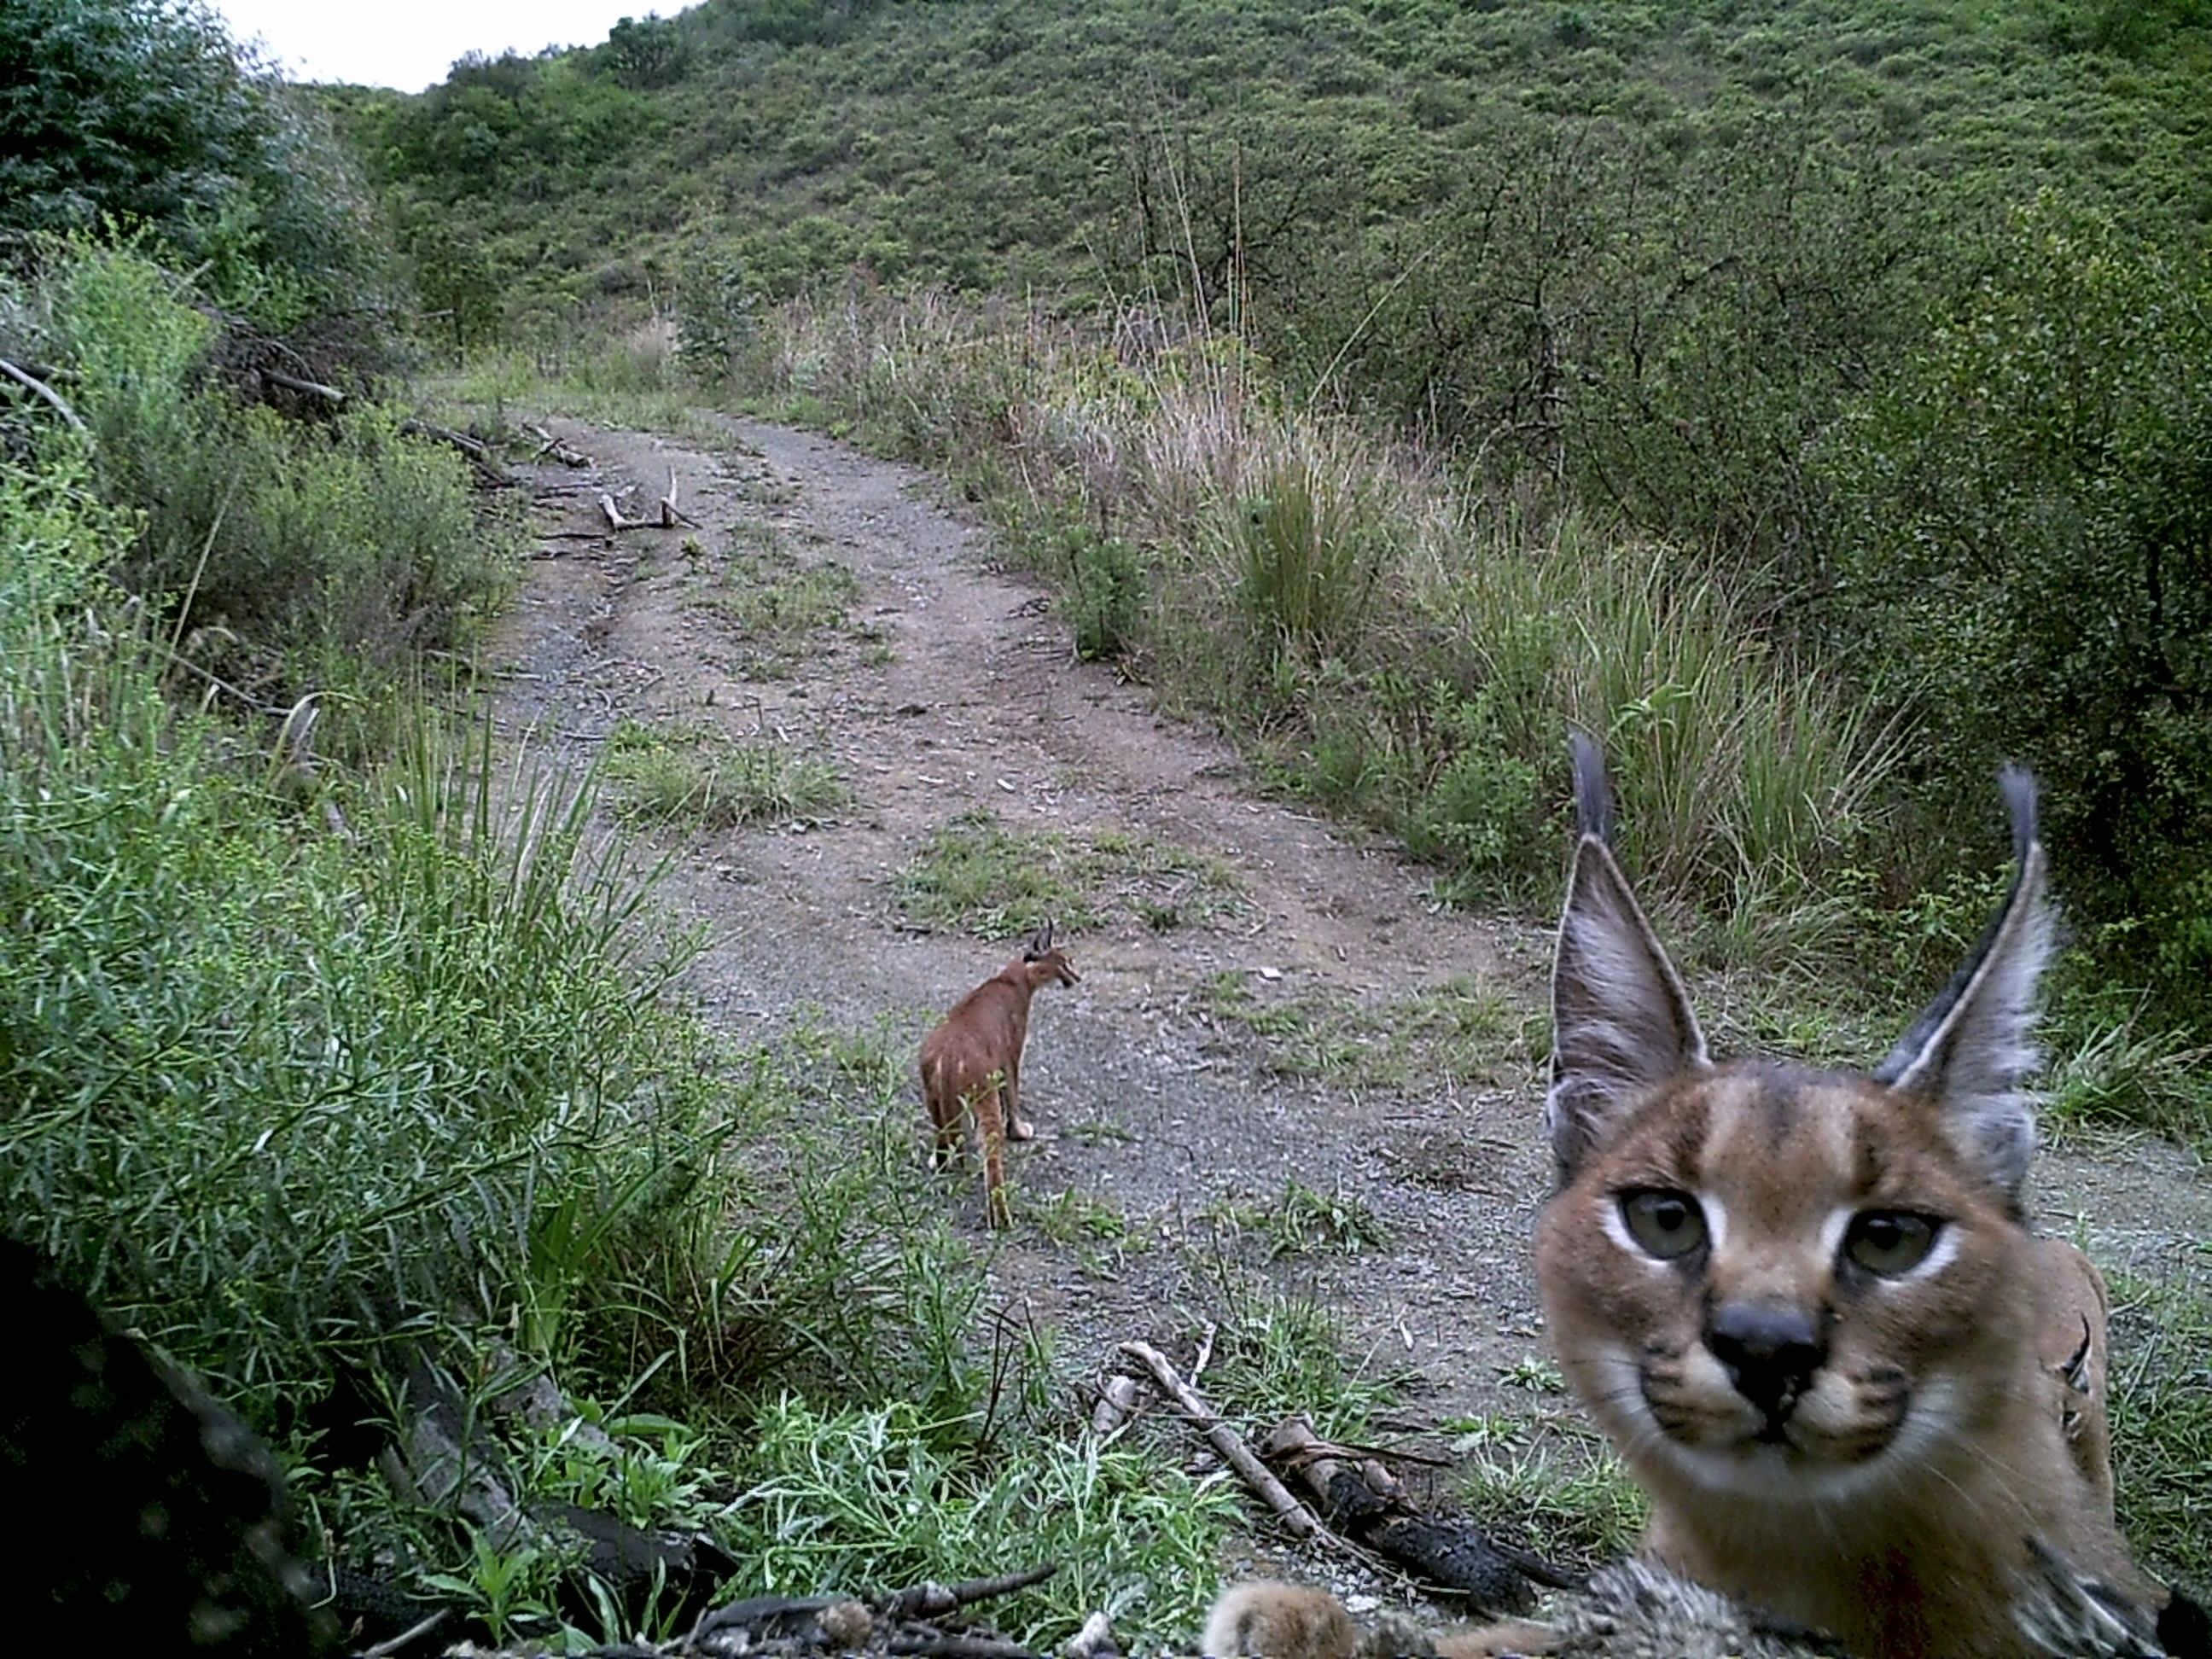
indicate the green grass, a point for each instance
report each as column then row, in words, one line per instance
column 695, row 777
column 860, row 1500
column 1302, row 1221
column 584, row 375
column 1070, row 1217
column 1275, row 1355
column 344, row 564
column 780, row 609
column 2112, row 1073
column 1461, row 1031
column 1556, row 1489
column 976, row 875
column 297, row 1104
column 2161, row 1396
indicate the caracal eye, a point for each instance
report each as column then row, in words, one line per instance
column 1668, row 1224
column 1890, row 1241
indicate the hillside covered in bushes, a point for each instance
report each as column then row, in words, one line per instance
column 1889, row 323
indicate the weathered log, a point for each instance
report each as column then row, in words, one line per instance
column 1366, row 1502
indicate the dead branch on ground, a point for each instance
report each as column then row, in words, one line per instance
column 1298, row 1519
column 670, row 518
column 31, row 382
column 918, row 1620
column 312, row 388
column 478, row 452
column 567, row 453
column 1366, row 1503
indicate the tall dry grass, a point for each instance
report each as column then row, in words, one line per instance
column 1382, row 634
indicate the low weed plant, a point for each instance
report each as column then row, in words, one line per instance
column 694, row 776
column 977, row 874
column 861, row 1499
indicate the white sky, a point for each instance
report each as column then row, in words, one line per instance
column 410, row 44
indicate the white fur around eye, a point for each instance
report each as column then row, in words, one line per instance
column 1716, row 1221
column 1941, row 1255
column 1616, row 1228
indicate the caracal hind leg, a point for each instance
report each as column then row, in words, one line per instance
column 2071, row 1348
column 1018, row 1126
column 991, row 1130
column 945, row 1113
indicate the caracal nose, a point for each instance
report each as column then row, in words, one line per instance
column 1770, row 1351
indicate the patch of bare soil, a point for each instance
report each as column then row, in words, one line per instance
column 956, row 689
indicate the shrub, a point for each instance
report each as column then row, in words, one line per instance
column 2026, row 566
column 147, row 114
column 268, row 1098
column 286, row 558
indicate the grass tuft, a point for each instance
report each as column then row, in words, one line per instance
column 663, row 774
column 2161, row 1396
column 977, row 875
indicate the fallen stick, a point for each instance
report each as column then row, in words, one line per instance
column 480, row 454
column 1365, row 1502
column 312, row 388
column 935, row 1600
column 670, row 518
column 1094, row 1641
column 1295, row 1515
column 31, row 382
column 566, row 453
column 1117, row 1399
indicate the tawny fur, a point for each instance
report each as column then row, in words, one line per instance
column 1629, row 1610
column 971, row 1065
column 1888, row 1455
column 1278, row 1621
column 1639, row 1610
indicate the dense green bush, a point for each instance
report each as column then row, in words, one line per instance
column 2025, row 564
column 273, row 1098
column 286, row 557
column 146, row 114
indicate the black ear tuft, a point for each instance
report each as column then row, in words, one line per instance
column 1972, row 1048
column 1593, row 798
column 1621, row 1021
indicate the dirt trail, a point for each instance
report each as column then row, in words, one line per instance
column 955, row 688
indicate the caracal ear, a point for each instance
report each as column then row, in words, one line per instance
column 1971, row 1049
column 1621, row 1019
